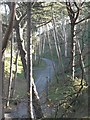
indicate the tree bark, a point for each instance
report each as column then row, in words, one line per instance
column 29, row 61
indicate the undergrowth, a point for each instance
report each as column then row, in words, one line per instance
column 68, row 96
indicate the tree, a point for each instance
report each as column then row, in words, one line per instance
column 29, row 61
column 15, row 75
column 73, row 17
column 1, row 88
column 74, row 9
column 36, row 100
column 11, row 74
column 10, row 26
column 3, row 47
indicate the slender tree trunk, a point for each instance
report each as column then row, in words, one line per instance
column 20, row 48
column 43, row 47
column 29, row 61
column 50, row 47
column 88, row 68
column 44, row 41
column 81, row 59
column 58, row 49
column 1, row 88
column 65, row 37
column 72, row 50
column 38, row 52
column 55, row 41
column 73, row 17
column 10, row 78
column 39, row 48
column 15, row 76
column 10, row 26
column 35, row 54
column 36, row 103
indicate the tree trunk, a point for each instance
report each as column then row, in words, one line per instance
column 10, row 77
column 15, row 76
column 20, row 48
column 58, row 49
column 10, row 27
column 43, row 47
column 1, row 88
column 36, row 103
column 65, row 37
column 73, row 17
column 73, row 43
column 29, row 61
column 50, row 47
column 88, row 68
column 35, row 54
column 55, row 41
column 23, row 59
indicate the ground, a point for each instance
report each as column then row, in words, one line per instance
column 51, row 93
column 44, row 76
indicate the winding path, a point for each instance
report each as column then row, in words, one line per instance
column 44, row 76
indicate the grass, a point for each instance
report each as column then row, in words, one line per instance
column 20, row 88
column 7, row 66
column 47, row 54
column 63, row 88
column 21, row 84
column 39, row 64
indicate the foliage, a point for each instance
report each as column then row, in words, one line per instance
column 63, row 93
column 7, row 66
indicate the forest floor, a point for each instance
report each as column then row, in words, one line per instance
column 43, row 78
column 65, row 102
column 49, row 89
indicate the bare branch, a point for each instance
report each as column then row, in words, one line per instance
column 44, row 23
column 10, row 27
column 88, row 17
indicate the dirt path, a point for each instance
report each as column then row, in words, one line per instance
column 42, row 83
column 43, row 78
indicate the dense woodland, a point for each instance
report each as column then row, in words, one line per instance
column 44, row 59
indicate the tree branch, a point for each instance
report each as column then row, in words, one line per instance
column 10, row 27
column 44, row 23
column 22, row 17
column 88, row 17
